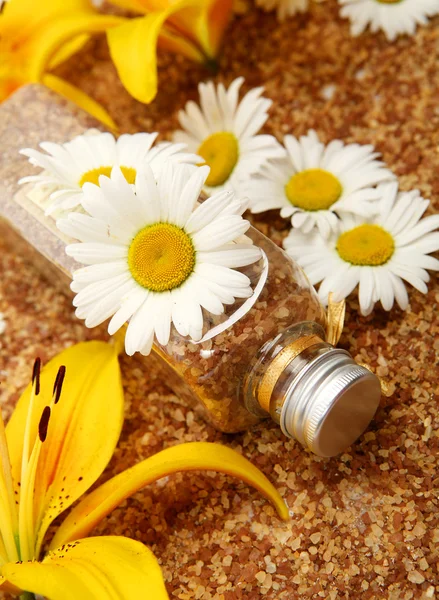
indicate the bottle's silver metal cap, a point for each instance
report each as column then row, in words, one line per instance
column 330, row 403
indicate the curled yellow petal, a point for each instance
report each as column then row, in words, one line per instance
column 47, row 42
column 68, row 49
column 195, row 456
column 205, row 22
column 80, row 98
column 133, row 48
column 104, row 568
column 35, row 39
column 214, row 22
column 173, row 42
column 83, row 430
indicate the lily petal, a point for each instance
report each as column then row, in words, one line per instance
column 68, row 50
column 202, row 21
column 205, row 22
column 105, row 567
column 83, row 430
column 133, row 5
column 45, row 43
column 80, row 98
column 195, row 456
column 217, row 15
column 133, row 48
column 173, row 42
column 22, row 12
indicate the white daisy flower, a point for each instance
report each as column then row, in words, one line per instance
column 376, row 254
column 314, row 184
column 156, row 256
column 85, row 158
column 284, row 8
column 223, row 132
column 394, row 17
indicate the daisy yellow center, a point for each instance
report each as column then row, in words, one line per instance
column 220, row 152
column 366, row 245
column 93, row 175
column 161, row 257
column 313, row 189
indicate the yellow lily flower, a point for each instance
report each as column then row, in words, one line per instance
column 52, row 451
column 34, row 38
column 193, row 28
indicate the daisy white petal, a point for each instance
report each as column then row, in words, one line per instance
column 221, row 231
column 128, row 307
column 366, row 289
column 206, row 297
column 283, row 8
column 377, row 253
column 189, row 195
column 100, row 288
column 108, row 305
column 209, row 210
column 400, row 291
column 100, row 271
column 225, row 294
column 147, row 346
column 157, row 257
column 87, row 229
column 161, row 314
column 228, row 257
column 140, row 328
column 147, row 196
column 314, row 185
column 223, row 275
column 393, row 17
column 90, row 253
column 224, row 133
column 84, row 159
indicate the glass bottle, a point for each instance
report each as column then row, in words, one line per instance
column 265, row 357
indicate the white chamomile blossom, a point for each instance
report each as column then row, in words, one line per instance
column 223, row 133
column 67, row 167
column 284, row 8
column 376, row 254
column 156, row 256
column 314, row 184
column 394, row 17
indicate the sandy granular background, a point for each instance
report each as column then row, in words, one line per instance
column 365, row 524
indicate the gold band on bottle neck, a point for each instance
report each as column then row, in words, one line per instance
column 279, row 364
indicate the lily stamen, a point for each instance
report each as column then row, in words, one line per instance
column 28, row 484
column 23, row 518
